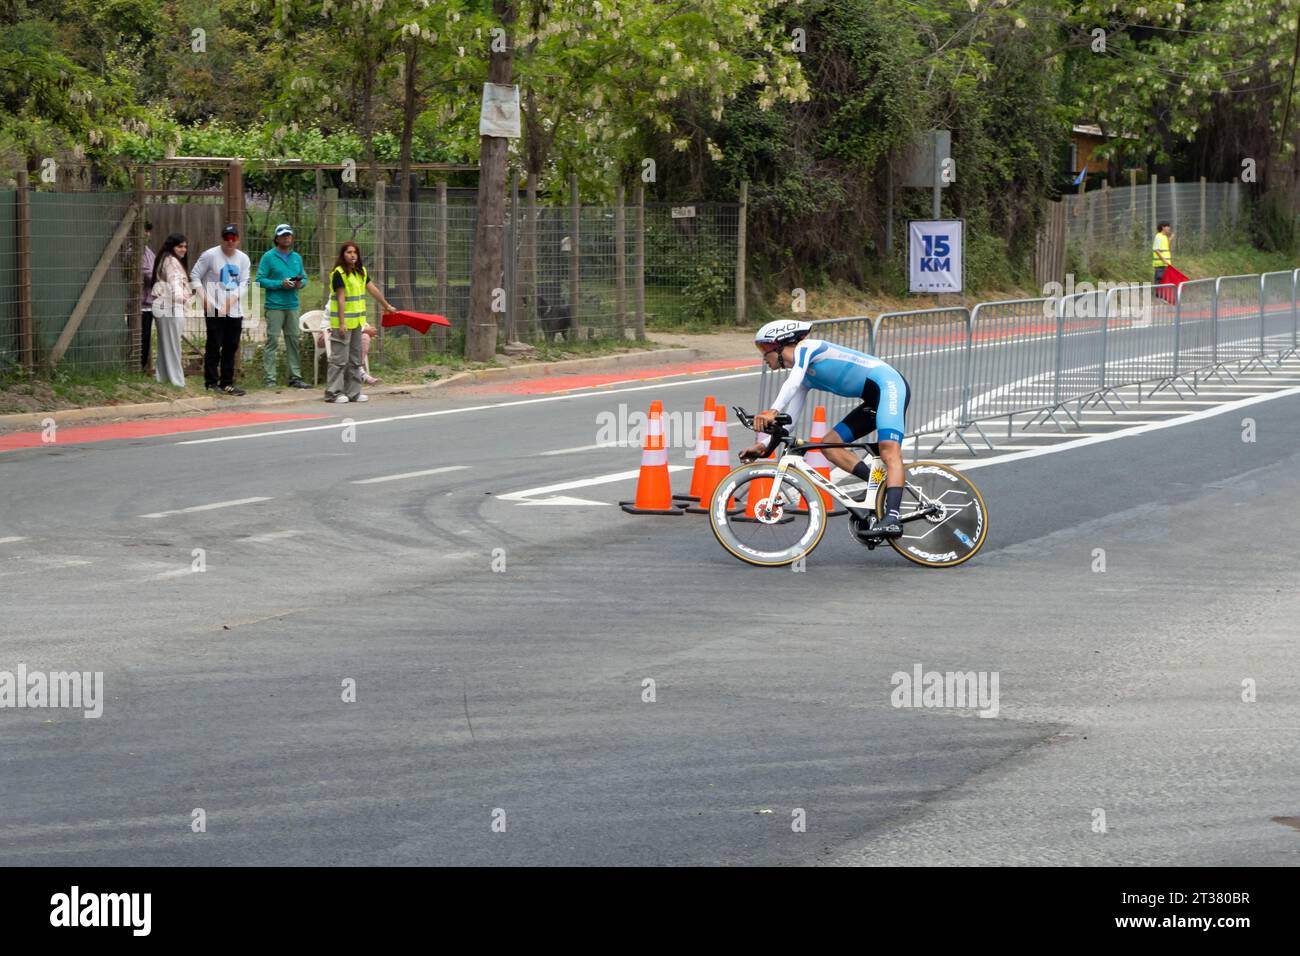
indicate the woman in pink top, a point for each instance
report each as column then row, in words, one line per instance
column 171, row 290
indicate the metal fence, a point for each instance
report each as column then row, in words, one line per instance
column 1105, row 217
column 568, row 274
column 1046, row 359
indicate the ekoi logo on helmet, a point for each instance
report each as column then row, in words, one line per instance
column 781, row 333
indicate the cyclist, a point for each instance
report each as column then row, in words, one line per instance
column 815, row 363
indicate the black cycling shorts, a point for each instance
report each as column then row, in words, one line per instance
column 862, row 420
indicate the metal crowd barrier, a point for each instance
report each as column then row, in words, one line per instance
column 1039, row 357
column 1141, row 335
column 1013, row 357
column 931, row 349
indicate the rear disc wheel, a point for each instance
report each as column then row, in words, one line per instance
column 957, row 526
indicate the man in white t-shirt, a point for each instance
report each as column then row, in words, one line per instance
column 221, row 275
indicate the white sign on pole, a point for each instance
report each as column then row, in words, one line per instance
column 934, row 254
column 499, row 115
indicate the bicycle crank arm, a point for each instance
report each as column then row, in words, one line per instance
column 918, row 515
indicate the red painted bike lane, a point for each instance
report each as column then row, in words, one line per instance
column 144, row 429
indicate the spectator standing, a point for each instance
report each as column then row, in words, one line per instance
column 349, row 284
column 147, row 259
column 221, row 275
column 171, row 290
column 280, row 272
column 1161, row 257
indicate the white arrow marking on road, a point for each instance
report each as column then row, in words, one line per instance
column 11, row 540
column 523, row 497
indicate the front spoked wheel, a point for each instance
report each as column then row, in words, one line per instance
column 762, row 528
column 953, row 522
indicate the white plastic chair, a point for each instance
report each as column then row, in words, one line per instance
column 317, row 322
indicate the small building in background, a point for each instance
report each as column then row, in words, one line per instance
column 1084, row 140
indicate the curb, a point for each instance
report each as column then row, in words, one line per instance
column 205, row 403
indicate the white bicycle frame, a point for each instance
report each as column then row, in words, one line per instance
column 867, row 505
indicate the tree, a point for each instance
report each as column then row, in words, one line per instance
column 485, row 272
column 594, row 73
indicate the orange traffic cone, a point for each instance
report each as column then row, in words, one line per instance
column 654, row 493
column 817, row 461
column 759, row 488
column 719, row 463
column 701, row 452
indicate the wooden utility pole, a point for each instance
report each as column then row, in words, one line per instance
column 741, row 215
column 1202, row 212
column 638, row 265
column 23, row 241
column 620, row 263
column 511, row 257
column 322, row 260
column 135, row 349
column 377, row 257
column 485, row 272
column 440, row 266
column 575, row 261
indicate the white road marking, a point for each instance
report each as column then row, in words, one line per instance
column 11, row 539
column 629, row 381
column 468, row 408
column 578, row 448
column 1104, row 422
column 1134, row 430
column 211, row 507
column 270, row 536
column 410, row 474
column 521, row 496
column 564, row 500
column 175, row 573
column 997, row 447
column 34, row 565
column 1180, row 402
column 1127, row 411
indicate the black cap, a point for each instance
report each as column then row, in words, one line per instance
column 230, row 230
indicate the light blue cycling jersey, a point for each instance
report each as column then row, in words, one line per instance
column 842, row 371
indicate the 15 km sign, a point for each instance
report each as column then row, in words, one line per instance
column 934, row 252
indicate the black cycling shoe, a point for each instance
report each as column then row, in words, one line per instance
column 887, row 527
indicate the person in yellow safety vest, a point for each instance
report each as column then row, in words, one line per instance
column 1160, row 255
column 349, row 283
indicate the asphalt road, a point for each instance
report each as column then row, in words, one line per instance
column 521, row 689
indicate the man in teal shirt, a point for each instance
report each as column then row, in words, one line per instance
column 281, row 274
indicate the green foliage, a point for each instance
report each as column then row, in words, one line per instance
column 1273, row 226
column 717, row 92
column 1216, row 73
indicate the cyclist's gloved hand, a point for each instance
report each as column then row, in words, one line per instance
column 754, row 452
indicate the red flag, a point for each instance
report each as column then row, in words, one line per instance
column 1172, row 277
column 420, row 321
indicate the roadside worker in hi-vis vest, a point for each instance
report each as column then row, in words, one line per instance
column 1160, row 255
column 349, row 284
